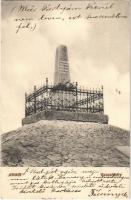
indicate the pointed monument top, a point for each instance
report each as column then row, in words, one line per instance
column 62, row 45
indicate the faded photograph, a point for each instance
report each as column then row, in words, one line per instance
column 65, row 84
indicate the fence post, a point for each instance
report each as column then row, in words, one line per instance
column 102, row 99
column 26, row 113
column 35, row 99
column 87, row 101
column 46, row 82
column 76, row 96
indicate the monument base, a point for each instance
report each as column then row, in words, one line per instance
column 67, row 116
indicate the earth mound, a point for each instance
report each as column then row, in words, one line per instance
column 65, row 143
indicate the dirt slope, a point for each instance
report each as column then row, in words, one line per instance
column 65, row 143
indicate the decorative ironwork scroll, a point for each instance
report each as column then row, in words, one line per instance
column 65, row 97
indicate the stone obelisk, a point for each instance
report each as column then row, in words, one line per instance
column 62, row 74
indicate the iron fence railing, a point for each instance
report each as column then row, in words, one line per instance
column 64, row 97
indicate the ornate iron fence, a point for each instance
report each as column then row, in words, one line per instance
column 65, row 97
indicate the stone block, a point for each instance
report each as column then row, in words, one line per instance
column 67, row 116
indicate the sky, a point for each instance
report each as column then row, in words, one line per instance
column 98, row 55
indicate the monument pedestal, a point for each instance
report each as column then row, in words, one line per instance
column 67, row 116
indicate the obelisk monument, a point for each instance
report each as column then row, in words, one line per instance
column 62, row 74
column 64, row 100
